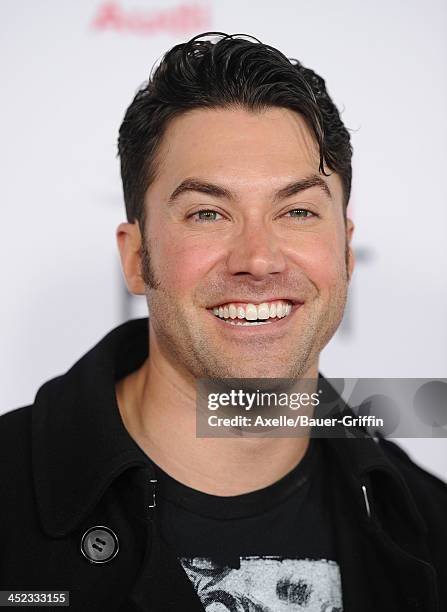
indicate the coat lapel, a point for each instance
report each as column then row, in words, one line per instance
column 380, row 536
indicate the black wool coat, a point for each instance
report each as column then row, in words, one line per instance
column 67, row 465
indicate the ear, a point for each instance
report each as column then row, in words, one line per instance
column 128, row 237
column 350, row 257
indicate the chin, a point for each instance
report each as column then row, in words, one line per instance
column 256, row 372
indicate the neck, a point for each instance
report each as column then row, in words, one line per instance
column 158, row 408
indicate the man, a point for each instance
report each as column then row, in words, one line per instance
column 236, row 171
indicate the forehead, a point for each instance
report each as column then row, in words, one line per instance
column 249, row 149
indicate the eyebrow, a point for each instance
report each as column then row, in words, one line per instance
column 217, row 191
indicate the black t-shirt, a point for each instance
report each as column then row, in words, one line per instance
column 265, row 551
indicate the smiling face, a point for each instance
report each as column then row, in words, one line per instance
column 246, row 244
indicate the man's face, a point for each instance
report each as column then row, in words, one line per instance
column 230, row 223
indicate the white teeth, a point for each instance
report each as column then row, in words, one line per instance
column 263, row 311
column 253, row 312
column 248, row 323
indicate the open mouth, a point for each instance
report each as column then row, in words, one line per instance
column 250, row 315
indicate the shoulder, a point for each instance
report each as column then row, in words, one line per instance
column 16, row 472
column 16, row 420
column 15, row 444
column 429, row 491
column 410, row 468
column 15, row 426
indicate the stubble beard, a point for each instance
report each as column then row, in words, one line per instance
column 185, row 344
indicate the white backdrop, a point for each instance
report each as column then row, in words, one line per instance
column 70, row 69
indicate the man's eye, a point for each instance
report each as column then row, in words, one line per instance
column 301, row 213
column 204, row 215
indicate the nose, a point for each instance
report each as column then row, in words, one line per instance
column 256, row 251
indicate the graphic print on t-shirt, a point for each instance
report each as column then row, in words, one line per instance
column 266, row 584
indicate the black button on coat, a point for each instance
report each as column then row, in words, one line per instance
column 68, row 465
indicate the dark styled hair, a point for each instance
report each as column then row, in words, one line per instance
column 226, row 71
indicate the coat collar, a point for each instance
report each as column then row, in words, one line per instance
column 80, row 445
column 79, row 442
column 373, row 478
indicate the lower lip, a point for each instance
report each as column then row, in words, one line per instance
column 263, row 328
